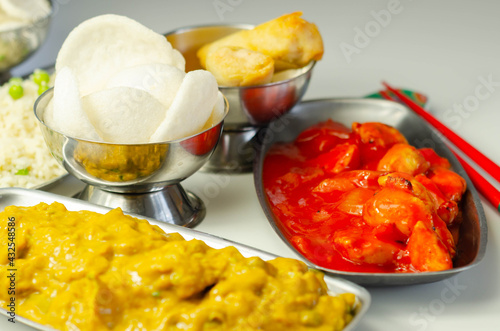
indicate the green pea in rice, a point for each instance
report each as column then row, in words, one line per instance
column 25, row 160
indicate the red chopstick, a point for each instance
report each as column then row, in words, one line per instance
column 483, row 186
column 489, row 166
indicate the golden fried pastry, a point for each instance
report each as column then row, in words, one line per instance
column 236, row 66
column 290, row 40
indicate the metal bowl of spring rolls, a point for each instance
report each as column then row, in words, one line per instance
column 251, row 108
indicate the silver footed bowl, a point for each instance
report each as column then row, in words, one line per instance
column 19, row 43
column 249, row 105
column 251, row 108
column 120, row 175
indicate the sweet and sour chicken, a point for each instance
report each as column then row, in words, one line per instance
column 363, row 199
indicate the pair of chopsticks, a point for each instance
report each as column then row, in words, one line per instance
column 482, row 185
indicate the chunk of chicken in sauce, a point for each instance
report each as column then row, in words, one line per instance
column 360, row 246
column 352, row 202
column 408, row 183
column 349, row 180
column 374, row 139
column 340, row 158
column 434, row 159
column 403, row 158
column 378, row 134
column 451, row 184
column 403, row 201
column 398, row 207
column 446, row 209
column 426, row 250
column 444, row 185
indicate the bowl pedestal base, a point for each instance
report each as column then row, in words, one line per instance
column 235, row 152
column 171, row 205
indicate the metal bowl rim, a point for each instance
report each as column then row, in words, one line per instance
column 363, row 277
column 50, row 90
column 188, row 28
column 241, row 26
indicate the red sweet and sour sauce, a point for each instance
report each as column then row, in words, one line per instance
column 329, row 225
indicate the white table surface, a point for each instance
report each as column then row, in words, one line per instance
column 446, row 49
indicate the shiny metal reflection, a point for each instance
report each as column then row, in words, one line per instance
column 250, row 108
column 139, row 178
column 19, row 43
column 471, row 246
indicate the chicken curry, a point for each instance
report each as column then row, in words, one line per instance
column 79, row 270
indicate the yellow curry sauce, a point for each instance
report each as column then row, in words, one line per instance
column 87, row 271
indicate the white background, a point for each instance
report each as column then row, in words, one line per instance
column 444, row 49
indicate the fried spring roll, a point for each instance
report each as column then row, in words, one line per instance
column 291, row 41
